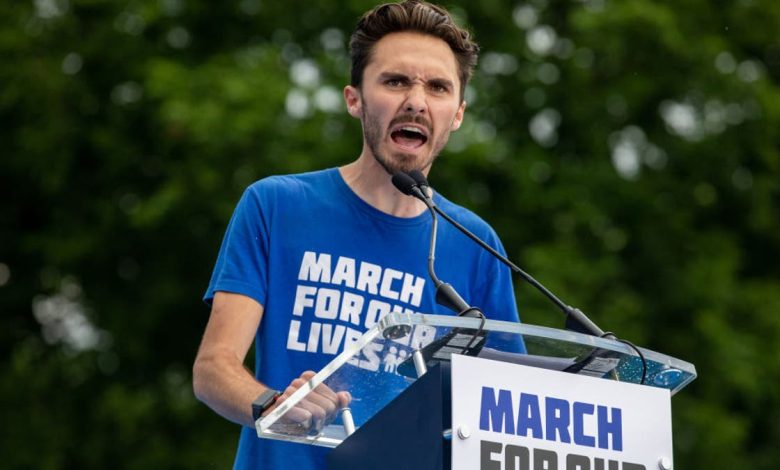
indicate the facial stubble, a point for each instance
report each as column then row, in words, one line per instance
column 373, row 134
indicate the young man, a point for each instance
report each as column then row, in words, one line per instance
column 320, row 257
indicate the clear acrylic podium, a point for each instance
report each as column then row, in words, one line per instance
column 395, row 353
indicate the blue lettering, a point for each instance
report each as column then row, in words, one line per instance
column 529, row 417
column 563, row 421
column 557, row 417
column 610, row 427
column 498, row 413
column 579, row 410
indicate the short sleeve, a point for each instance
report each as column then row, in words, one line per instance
column 242, row 263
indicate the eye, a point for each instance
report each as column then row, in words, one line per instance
column 394, row 82
column 439, row 88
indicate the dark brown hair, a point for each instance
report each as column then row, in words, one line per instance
column 416, row 16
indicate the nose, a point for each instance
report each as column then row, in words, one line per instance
column 416, row 102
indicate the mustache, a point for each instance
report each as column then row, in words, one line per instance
column 412, row 119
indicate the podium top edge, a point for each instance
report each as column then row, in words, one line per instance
column 395, row 319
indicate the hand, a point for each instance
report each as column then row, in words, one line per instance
column 314, row 412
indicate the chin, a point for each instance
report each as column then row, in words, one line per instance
column 405, row 162
column 394, row 160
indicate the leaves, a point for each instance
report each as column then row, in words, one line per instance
column 626, row 152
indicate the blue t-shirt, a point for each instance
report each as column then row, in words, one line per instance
column 326, row 265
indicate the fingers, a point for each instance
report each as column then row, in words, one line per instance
column 322, row 396
column 325, row 398
column 306, row 375
column 298, row 418
column 316, row 410
column 344, row 399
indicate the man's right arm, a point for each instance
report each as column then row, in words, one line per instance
column 219, row 377
column 221, row 381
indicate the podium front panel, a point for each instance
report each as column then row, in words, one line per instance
column 512, row 416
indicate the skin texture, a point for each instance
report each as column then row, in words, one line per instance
column 411, row 80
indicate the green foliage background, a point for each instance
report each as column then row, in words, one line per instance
column 627, row 151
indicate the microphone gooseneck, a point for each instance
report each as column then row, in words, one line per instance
column 446, row 295
column 404, row 183
column 576, row 320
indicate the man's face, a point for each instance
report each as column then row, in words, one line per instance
column 409, row 101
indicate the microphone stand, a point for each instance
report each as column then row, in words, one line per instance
column 446, row 295
column 576, row 320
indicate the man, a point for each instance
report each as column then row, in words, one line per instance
column 320, row 257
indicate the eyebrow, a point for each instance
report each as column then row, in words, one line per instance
column 388, row 75
column 399, row 75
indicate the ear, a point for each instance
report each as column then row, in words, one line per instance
column 354, row 102
column 458, row 116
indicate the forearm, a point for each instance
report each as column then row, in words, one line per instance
column 221, row 381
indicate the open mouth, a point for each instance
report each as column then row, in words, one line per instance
column 411, row 137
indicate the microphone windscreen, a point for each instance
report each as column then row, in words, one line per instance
column 419, row 178
column 403, row 182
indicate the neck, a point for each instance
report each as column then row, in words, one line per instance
column 369, row 180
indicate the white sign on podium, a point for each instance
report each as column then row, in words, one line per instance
column 512, row 417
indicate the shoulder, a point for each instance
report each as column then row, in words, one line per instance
column 289, row 189
column 290, row 184
column 467, row 218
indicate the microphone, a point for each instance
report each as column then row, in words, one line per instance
column 406, row 184
column 446, row 295
column 576, row 320
column 458, row 340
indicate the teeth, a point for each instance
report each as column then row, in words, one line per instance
column 411, row 129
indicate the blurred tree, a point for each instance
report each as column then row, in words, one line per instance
column 627, row 152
